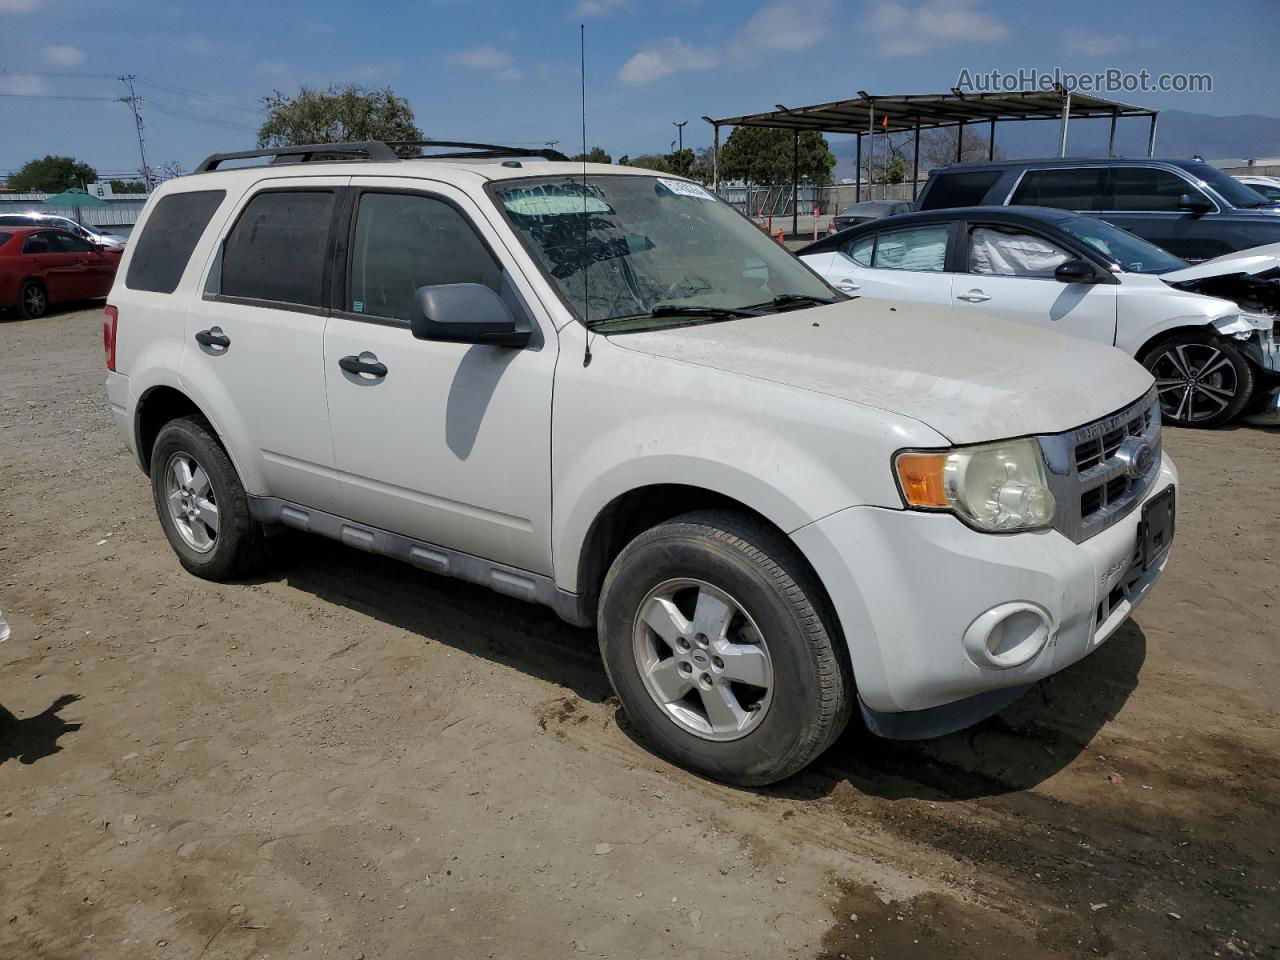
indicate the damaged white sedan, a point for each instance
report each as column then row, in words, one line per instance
column 1207, row 332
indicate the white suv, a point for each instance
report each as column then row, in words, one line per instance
column 604, row 390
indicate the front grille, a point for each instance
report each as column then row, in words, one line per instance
column 1093, row 471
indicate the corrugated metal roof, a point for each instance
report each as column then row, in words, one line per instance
column 906, row 112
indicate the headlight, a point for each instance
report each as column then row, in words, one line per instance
column 997, row 487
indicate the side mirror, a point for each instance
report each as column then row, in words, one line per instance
column 465, row 313
column 1076, row 271
column 1194, row 203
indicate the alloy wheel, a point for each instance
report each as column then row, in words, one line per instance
column 33, row 300
column 192, row 505
column 703, row 660
column 1195, row 381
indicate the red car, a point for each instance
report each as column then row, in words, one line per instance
column 40, row 266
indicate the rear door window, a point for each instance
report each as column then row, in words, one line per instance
column 171, row 232
column 959, row 189
column 1068, row 188
column 916, row 248
column 859, row 251
column 1148, row 189
column 276, row 251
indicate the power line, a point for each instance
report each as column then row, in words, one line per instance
column 173, row 88
column 53, row 96
column 201, row 118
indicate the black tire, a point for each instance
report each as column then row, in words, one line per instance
column 811, row 694
column 238, row 549
column 34, row 302
column 1188, row 396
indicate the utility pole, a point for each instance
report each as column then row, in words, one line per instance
column 132, row 101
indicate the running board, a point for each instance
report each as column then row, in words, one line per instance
column 512, row 581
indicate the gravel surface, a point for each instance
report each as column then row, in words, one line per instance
column 350, row 758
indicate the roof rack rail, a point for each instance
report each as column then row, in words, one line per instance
column 303, row 153
column 477, row 150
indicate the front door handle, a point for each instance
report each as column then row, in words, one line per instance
column 213, row 337
column 847, row 286
column 973, row 296
column 366, row 363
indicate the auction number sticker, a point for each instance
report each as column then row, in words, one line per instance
column 682, row 188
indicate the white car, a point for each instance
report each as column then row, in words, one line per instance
column 1269, row 187
column 604, row 390
column 95, row 236
column 1207, row 331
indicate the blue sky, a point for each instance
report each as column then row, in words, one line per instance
column 507, row 70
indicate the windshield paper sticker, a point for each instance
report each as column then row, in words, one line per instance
column 682, row 188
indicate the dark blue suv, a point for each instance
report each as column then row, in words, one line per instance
column 1192, row 209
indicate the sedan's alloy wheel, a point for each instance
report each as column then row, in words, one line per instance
column 1196, row 381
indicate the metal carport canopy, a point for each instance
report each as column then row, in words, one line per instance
column 866, row 114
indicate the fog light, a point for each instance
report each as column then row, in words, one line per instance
column 1008, row 635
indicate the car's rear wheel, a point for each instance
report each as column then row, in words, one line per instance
column 35, row 300
column 202, row 505
column 1202, row 381
column 722, row 650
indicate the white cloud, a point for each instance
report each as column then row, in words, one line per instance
column 599, row 8
column 1093, row 44
column 18, row 83
column 786, row 26
column 488, row 59
column 671, row 56
column 64, row 56
column 904, row 30
column 17, row 6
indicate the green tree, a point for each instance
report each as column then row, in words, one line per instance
column 52, row 174
column 336, row 115
column 596, row 155
column 650, row 161
column 128, row 186
column 764, row 154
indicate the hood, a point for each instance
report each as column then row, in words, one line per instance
column 1252, row 261
column 972, row 379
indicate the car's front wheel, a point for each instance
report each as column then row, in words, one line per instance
column 722, row 650
column 1202, row 381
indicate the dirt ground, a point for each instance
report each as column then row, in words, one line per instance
column 351, row 758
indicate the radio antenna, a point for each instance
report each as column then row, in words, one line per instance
column 586, row 259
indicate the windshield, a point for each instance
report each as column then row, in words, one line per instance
column 624, row 245
column 1229, row 188
column 1132, row 254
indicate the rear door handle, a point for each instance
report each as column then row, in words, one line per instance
column 366, row 363
column 213, row 337
column 973, row 296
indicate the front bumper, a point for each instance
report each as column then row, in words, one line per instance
column 908, row 585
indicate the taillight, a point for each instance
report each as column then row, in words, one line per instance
column 110, row 317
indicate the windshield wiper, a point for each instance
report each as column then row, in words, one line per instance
column 785, row 300
column 689, row 310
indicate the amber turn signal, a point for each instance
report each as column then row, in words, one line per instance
column 920, row 477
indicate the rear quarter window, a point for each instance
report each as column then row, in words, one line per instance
column 171, row 232
column 4, row 238
column 959, row 189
